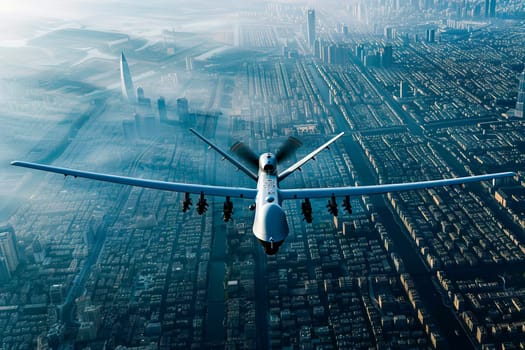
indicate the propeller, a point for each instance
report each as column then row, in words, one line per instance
column 288, row 148
column 244, row 152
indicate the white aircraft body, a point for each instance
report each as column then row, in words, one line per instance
column 270, row 226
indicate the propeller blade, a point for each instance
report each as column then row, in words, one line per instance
column 244, row 152
column 288, row 148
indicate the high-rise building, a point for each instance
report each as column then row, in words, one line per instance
column 8, row 248
column 360, row 52
column 140, row 93
column 332, row 54
column 143, row 101
column 492, row 9
column 182, row 108
column 337, row 54
column 387, row 59
column 520, row 103
column 163, row 113
column 318, row 46
column 431, row 35
column 310, row 28
column 126, row 83
column 325, row 52
column 389, row 33
column 56, row 294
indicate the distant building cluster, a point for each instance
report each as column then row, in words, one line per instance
column 476, row 9
column 373, row 57
column 332, row 53
column 145, row 124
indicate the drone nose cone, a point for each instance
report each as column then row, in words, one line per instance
column 270, row 223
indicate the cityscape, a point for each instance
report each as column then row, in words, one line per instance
column 422, row 89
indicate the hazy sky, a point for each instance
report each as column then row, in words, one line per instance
column 23, row 19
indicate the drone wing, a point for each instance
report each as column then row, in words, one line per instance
column 311, row 155
column 232, row 160
column 302, row 193
column 223, row 191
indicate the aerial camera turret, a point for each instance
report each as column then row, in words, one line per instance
column 227, row 210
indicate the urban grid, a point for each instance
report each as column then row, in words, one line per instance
column 422, row 89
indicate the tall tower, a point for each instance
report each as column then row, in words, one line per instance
column 310, row 27
column 8, row 248
column 492, row 9
column 431, row 36
column 128, row 91
column 520, row 103
column 161, row 104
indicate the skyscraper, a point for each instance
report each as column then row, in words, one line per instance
column 431, row 35
column 492, row 9
column 161, row 104
column 318, row 47
column 389, row 33
column 128, row 91
column 520, row 103
column 310, row 27
column 140, row 93
column 182, row 108
column 8, row 248
column 143, row 101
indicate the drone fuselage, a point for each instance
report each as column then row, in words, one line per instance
column 270, row 225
